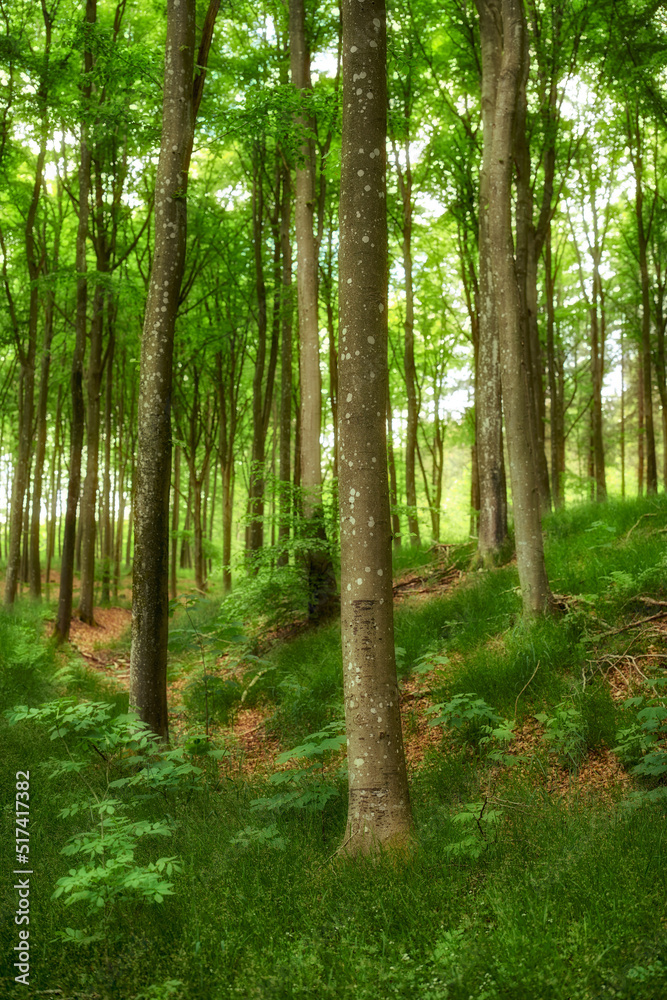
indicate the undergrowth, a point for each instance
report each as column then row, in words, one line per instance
column 508, row 893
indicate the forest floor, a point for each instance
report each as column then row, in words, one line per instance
column 105, row 649
column 537, row 756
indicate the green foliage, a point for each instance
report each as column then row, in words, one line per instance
column 213, row 697
column 26, row 664
column 479, row 822
column 110, row 873
column 258, row 836
column 565, row 734
column 468, row 718
column 309, row 786
column 643, row 743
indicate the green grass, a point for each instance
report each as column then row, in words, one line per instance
column 554, row 901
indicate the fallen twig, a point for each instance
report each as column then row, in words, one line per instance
column 628, row 533
column 516, row 703
column 640, row 621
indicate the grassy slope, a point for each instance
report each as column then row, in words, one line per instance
column 564, row 902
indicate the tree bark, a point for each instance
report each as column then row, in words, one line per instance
column 318, row 566
column 492, row 525
column 379, row 805
column 286, row 309
column 514, row 372
column 150, row 594
column 34, row 570
column 64, row 616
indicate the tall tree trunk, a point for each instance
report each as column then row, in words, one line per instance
column 641, row 422
column 404, row 175
column 597, row 373
column 54, row 489
column 150, row 593
column 106, row 512
column 262, row 391
column 492, row 528
column 89, row 495
column 322, row 599
column 556, row 411
column 515, row 374
column 173, row 560
column 64, row 616
column 526, row 271
column 393, row 484
column 34, row 570
column 642, row 239
column 285, row 369
column 379, row 804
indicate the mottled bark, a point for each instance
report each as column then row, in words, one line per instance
column 286, row 310
column 64, row 616
column 175, row 508
column 34, row 569
column 492, row 524
column 379, row 806
column 555, row 376
column 514, row 372
column 264, row 375
column 150, row 596
column 393, row 484
column 322, row 600
column 642, row 242
column 89, row 495
column 597, row 374
column 106, row 514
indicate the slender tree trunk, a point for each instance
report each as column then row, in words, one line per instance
column 105, row 513
column 597, row 372
column 556, row 414
column 150, row 595
column 515, row 375
column 526, row 271
column 393, row 485
column 89, row 495
column 317, row 559
column 492, row 528
column 64, row 616
column 173, row 560
column 54, row 489
column 285, row 369
column 404, row 175
column 651, row 463
column 379, row 804
column 641, row 397
column 34, row 570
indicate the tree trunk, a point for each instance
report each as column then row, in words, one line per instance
column 173, row 560
column 89, row 495
column 393, row 485
column 64, row 617
column 285, row 370
column 556, row 411
column 150, row 594
column 34, row 570
column 106, row 511
column 514, row 372
column 597, row 372
column 322, row 599
column 642, row 239
column 492, row 526
column 379, row 804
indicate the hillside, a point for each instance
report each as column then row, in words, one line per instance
column 212, row 870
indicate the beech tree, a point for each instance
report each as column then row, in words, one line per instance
column 379, row 803
column 319, row 568
column 150, row 598
column 515, row 370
